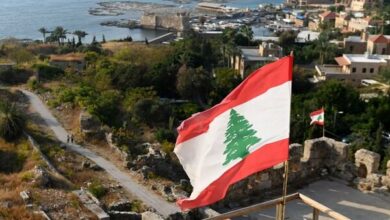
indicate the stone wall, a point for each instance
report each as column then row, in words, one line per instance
column 317, row 158
column 178, row 21
column 368, row 177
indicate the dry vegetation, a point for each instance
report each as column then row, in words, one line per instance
column 16, row 162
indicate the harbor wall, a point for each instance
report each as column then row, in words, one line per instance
column 178, row 21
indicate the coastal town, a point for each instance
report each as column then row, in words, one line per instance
column 93, row 127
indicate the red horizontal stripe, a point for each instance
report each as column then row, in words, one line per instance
column 259, row 82
column 263, row 158
column 318, row 123
column 320, row 111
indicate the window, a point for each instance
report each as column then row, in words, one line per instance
column 364, row 70
column 371, row 70
column 354, row 69
column 383, row 50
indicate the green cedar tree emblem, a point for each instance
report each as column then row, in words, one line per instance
column 239, row 137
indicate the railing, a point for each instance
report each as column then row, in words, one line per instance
column 317, row 208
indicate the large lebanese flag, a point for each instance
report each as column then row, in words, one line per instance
column 247, row 132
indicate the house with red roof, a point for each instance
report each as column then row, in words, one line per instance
column 378, row 44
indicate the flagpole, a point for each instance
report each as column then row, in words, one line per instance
column 323, row 124
column 285, row 182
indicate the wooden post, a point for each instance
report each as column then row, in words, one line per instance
column 283, row 211
column 316, row 214
column 278, row 211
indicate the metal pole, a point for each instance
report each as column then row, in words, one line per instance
column 282, row 216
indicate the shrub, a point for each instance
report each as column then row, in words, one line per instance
column 137, row 206
column 33, row 83
column 27, row 176
column 14, row 76
column 97, row 189
column 165, row 135
column 167, row 147
column 12, row 121
column 47, row 72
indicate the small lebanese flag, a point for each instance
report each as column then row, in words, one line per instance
column 317, row 117
column 246, row 133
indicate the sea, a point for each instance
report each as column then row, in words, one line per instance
column 22, row 18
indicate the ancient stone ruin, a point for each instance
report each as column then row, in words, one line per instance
column 316, row 159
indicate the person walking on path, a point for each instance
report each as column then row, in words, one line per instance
column 67, row 138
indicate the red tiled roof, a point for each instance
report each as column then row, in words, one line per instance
column 328, row 15
column 342, row 61
column 379, row 39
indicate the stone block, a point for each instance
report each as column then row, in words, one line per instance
column 151, row 216
column 264, row 177
column 369, row 159
column 386, row 181
column 374, row 179
column 295, row 152
column 264, row 185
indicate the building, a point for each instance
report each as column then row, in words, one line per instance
column 342, row 21
column 362, row 24
column 355, row 45
column 360, row 5
column 70, row 60
column 252, row 57
column 328, row 16
column 353, row 67
column 378, row 44
column 297, row 17
column 372, row 44
column 303, row 3
column 307, row 36
column 215, row 7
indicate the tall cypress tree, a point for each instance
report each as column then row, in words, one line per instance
column 239, row 137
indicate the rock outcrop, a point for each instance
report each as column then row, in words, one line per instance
column 90, row 126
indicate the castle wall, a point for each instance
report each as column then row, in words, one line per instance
column 178, row 22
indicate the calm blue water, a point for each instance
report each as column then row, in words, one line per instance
column 22, row 18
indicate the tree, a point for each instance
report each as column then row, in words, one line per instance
column 80, row 35
column 226, row 79
column 239, row 137
column 287, row 40
column 58, row 34
column 247, row 32
column 11, row 121
column 43, row 31
column 193, row 84
column 103, row 39
column 94, row 40
column 385, row 73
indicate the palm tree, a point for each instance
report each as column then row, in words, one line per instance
column 247, row 32
column 43, row 31
column 80, row 35
column 59, row 34
column 11, row 121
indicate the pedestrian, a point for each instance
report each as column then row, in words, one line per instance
column 67, row 138
column 71, row 138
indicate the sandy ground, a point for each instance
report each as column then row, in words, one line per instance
column 337, row 196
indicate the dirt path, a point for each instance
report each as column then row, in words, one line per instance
column 149, row 198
